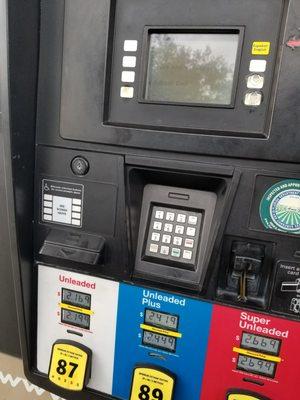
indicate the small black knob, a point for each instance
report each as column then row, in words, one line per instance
column 80, row 166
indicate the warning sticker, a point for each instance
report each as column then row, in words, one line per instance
column 286, row 297
column 280, row 207
column 62, row 202
column 261, row 48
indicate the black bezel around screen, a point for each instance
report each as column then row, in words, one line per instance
column 149, row 30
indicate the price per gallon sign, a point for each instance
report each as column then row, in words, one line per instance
column 150, row 383
column 70, row 365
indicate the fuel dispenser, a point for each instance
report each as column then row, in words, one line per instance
column 165, row 257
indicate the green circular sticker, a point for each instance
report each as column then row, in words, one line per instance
column 280, row 207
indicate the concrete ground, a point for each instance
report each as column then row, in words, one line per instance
column 14, row 386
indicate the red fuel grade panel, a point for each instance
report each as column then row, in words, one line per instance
column 225, row 345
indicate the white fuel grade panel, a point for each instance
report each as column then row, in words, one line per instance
column 80, row 308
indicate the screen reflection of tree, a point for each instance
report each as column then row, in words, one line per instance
column 179, row 73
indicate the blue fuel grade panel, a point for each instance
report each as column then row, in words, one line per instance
column 188, row 359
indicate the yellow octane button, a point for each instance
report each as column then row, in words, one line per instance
column 70, row 365
column 152, row 383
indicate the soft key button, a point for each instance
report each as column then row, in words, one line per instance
column 128, row 76
column 130, row 45
column 159, row 214
column 129, row 62
column 155, row 237
column 255, row 81
column 258, row 66
column 253, row 99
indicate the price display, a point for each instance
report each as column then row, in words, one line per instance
column 162, row 320
column 75, row 318
column 157, row 340
column 260, row 343
column 256, row 365
column 75, row 298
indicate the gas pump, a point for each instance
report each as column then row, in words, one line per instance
column 165, row 232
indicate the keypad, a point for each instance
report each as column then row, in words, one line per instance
column 174, row 234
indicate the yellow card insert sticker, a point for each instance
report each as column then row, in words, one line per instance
column 68, row 366
column 261, row 48
column 151, row 384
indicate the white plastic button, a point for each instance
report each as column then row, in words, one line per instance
column 181, row 218
column 76, row 208
column 153, row 248
column 130, row 45
column 189, row 243
column 48, row 197
column 192, row 220
column 129, row 62
column 155, row 237
column 76, row 222
column 187, row 255
column 258, row 66
column 159, row 214
column 77, row 202
column 190, row 231
column 176, row 252
column 47, row 204
column 170, row 216
column 157, row 225
column 127, row 92
column 76, row 215
column 128, row 76
column 253, row 99
column 47, row 217
column 166, row 239
column 255, row 81
column 179, row 229
column 48, row 211
column 164, row 250
column 168, row 228
column 177, row 241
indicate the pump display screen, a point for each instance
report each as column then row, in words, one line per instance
column 194, row 68
column 157, row 340
column 75, row 298
column 75, row 318
column 256, row 365
column 260, row 343
column 160, row 319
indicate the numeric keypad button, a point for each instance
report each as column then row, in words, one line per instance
column 189, row 243
column 155, row 237
column 181, row 218
column 177, row 241
column 190, row 231
column 176, row 252
column 157, row 225
column 168, row 228
column 153, row 248
column 159, row 214
column 187, row 255
column 179, row 229
column 170, row 216
column 192, row 220
column 166, row 239
column 164, row 250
